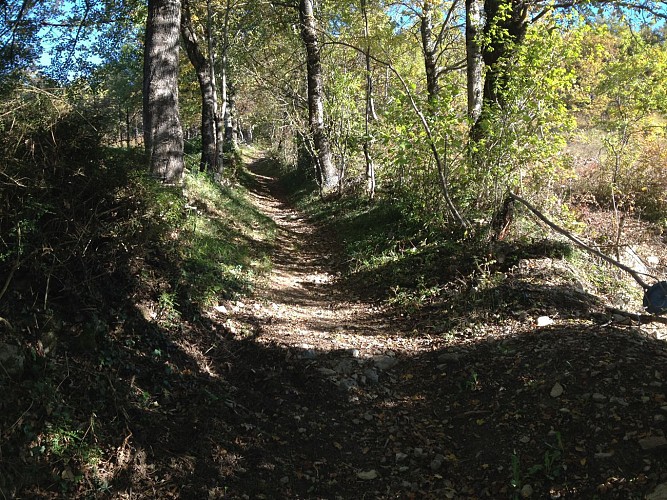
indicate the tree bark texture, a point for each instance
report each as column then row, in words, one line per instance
column 509, row 18
column 163, row 134
column 505, row 27
column 326, row 169
column 429, row 48
column 369, row 114
column 205, row 76
column 474, row 27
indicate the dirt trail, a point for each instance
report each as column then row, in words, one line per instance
column 301, row 305
column 345, row 399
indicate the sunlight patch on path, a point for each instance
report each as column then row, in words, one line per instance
column 299, row 303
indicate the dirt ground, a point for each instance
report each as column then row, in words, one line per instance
column 310, row 390
column 356, row 401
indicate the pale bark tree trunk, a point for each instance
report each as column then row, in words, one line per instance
column 369, row 114
column 429, row 47
column 219, row 111
column 231, row 142
column 474, row 27
column 163, row 134
column 328, row 176
column 206, row 77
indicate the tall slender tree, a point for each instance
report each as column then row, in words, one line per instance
column 204, row 67
column 163, row 135
column 327, row 173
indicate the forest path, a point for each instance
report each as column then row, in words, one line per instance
column 300, row 304
column 337, row 397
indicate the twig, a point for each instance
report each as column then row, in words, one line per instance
column 18, row 420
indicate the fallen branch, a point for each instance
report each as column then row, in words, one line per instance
column 580, row 243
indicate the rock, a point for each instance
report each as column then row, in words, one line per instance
column 401, row 456
column 544, row 321
column 371, row 376
column 383, row 362
column 12, row 360
column 347, row 384
column 526, row 491
column 449, row 357
column 436, row 463
column 368, row 475
column 524, row 439
column 418, row 452
column 557, row 390
column 353, row 352
column 598, row 398
column 617, row 400
column 653, row 443
column 659, row 493
column 308, row 354
column 604, row 454
column 221, row 309
column 344, row 367
column 284, row 480
column 306, row 351
column 327, row 372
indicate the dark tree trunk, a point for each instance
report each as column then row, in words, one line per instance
column 326, row 168
column 509, row 18
column 513, row 27
column 128, row 129
column 163, row 135
column 204, row 70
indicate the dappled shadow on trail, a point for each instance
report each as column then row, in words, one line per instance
column 304, row 390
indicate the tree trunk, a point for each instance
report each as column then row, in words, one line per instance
column 474, row 27
column 505, row 28
column 327, row 170
column 163, row 134
column 231, row 142
column 128, row 125
column 222, row 108
column 204, row 70
column 369, row 114
column 509, row 16
column 429, row 49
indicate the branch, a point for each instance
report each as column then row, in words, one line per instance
column 577, row 241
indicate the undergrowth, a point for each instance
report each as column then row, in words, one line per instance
column 99, row 263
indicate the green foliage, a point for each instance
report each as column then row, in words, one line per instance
column 625, row 110
column 523, row 136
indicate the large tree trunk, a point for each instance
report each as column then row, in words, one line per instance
column 509, row 17
column 474, row 26
column 326, row 169
column 205, row 76
column 505, row 27
column 163, row 134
